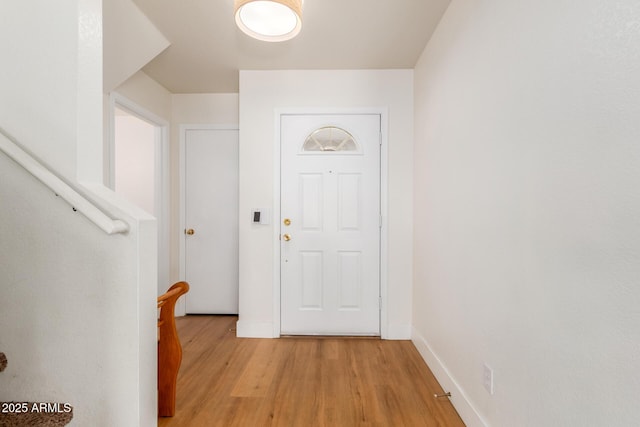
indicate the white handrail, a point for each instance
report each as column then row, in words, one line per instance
column 77, row 201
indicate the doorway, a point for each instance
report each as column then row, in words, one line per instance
column 330, row 225
column 139, row 168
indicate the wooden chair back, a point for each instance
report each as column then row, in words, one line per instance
column 169, row 349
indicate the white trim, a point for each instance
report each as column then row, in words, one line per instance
column 399, row 331
column 277, row 258
column 254, row 329
column 458, row 398
column 383, row 112
column 77, row 201
column 181, row 308
column 384, row 230
column 162, row 178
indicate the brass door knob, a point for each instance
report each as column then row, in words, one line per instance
column 190, row 232
column 286, row 237
column 287, row 222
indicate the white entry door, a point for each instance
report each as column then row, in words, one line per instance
column 211, row 220
column 330, row 224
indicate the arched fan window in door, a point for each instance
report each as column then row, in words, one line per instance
column 330, row 139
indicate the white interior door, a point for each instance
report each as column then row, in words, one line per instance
column 330, row 225
column 211, row 220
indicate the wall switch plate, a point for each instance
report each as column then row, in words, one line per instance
column 487, row 378
column 261, row 216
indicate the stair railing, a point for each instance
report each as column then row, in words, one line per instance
column 77, row 201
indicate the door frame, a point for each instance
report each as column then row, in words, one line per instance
column 181, row 306
column 384, row 199
column 162, row 171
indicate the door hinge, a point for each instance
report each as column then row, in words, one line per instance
column 380, row 303
column 380, row 138
column 380, row 221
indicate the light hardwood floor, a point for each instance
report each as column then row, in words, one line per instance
column 333, row 382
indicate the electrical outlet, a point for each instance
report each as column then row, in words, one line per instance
column 487, row 378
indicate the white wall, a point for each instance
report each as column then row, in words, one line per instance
column 527, row 210
column 76, row 324
column 261, row 93
column 148, row 94
column 40, row 24
column 205, row 108
column 135, row 161
column 131, row 41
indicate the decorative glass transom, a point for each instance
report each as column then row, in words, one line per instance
column 330, row 139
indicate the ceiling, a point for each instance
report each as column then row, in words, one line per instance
column 207, row 49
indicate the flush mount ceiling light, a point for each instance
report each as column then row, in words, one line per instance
column 269, row 20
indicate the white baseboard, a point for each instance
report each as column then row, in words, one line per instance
column 398, row 331
column 254, row 329
column 465, row 409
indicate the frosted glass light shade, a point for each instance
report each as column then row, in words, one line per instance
column 269, row 20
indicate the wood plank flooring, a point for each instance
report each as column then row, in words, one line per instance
column 334, row 382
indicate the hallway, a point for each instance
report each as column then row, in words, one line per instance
column 229, row 381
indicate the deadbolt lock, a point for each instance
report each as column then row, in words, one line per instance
column 287, row 222
column 190, row 232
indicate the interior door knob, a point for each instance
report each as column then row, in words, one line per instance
column 286, row 237
column 190, row 232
